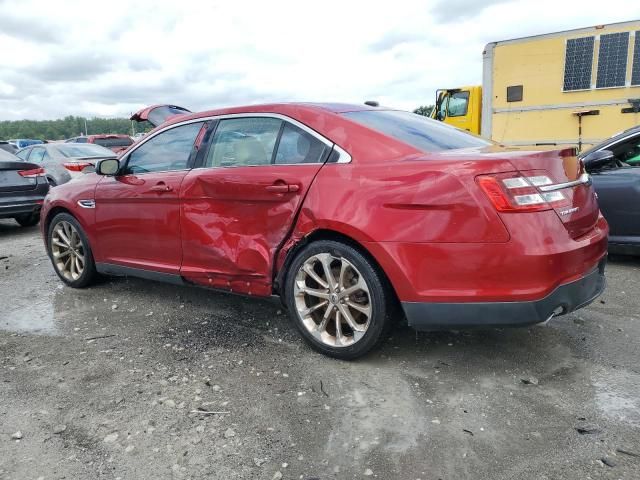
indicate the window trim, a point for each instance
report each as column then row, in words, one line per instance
column 344, row 156
column 124, row 161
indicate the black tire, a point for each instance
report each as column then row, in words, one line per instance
column 89, row 274
column 379, row 298
column 28, row 219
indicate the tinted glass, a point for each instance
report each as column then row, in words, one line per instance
column 7, row 147
column 420, row 132
column 81, row 140
column 458, row 103
column 113, row 142
column 628, row 151
column 37, row 154
column 243, row 141
column 297, row 146
column 169, row 150
column 83, row 151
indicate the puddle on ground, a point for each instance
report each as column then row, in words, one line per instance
column 37, row 316
column 618, row 395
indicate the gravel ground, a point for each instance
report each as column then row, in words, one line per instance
column 140, row 380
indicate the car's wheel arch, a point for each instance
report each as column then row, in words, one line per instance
column 327, row 234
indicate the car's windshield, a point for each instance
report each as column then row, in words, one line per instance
column 83, row 150
column 113, row 142
column 420, row 132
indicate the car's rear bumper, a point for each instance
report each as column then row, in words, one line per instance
column 22, row 203
column 564, row 299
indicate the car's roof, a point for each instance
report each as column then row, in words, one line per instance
column 282, row 108
column 109, row 135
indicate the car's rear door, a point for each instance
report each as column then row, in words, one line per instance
column 138, row 211
column 240, row 205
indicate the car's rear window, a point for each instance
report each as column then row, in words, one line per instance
column 113, row 142
column 83, row 150
column 418, row 131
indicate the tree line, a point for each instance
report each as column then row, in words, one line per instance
column 71, row 126
column 67, row 127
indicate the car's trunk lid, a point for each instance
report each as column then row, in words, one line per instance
column 12, row 181
column 158, row 114
column 579, row 211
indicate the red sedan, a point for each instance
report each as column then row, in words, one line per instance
column 354, row 215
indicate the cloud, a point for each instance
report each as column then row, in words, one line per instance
column 456, row 10
column 75, row 58
column 27, row 28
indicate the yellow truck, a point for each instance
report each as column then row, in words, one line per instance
column 571, row 88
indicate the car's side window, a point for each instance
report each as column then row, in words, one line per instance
column 458, row 104
column 37, row 155
column 628, row 152
column 169, row 150
column 24, row 154
column 243, row 141
column 297, row 146
column 81, row 140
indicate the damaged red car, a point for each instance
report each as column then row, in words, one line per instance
column 356, row 216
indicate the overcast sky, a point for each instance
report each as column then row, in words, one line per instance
column 104, row 58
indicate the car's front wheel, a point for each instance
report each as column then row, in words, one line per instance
column 337, row 299
column 70, row 251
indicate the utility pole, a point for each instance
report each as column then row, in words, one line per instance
column 86, row 131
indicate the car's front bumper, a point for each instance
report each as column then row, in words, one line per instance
column 564, row 299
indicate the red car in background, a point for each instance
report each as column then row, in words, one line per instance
column 352, row 214
column 115, row 142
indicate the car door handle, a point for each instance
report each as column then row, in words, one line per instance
column 282, row 188
column 161, row 188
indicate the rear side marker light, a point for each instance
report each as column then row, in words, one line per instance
column 33, row 173
column 516, row 193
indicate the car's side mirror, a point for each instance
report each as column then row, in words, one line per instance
column 598, row 159
column 108, row 166
column 440, row 116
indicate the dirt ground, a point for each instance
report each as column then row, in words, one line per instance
column 133, row 379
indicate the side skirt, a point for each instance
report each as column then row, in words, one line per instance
column 120, row 271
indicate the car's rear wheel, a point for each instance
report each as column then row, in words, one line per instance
column 337, row 299
column 28, row 219
column 70, row 251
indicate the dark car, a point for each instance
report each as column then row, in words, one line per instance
column 23, row 187
column 8, row 147
column 115, row 142
column 614, row 166
column 64, row 161
column 348, row 212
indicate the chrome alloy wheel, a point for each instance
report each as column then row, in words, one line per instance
column 67, row 251
column 332, row 300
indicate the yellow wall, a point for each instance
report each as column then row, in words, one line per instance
column 537, row 63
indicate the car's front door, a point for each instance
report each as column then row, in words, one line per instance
column 138, row 211
column 618, row 191
column 238, row 208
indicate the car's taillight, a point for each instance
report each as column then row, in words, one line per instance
column 33, row 173
column 513, row 192
column 77, row 166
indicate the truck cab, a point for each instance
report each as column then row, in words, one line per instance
column 460, row 107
